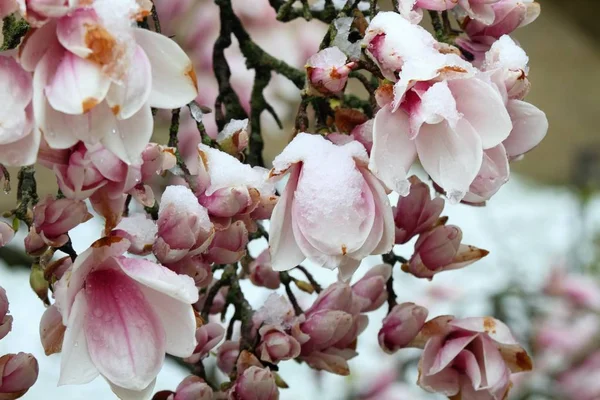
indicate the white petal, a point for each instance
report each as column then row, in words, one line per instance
column 174, row 82
column 530, row 126
column 393, row 153
column 129, row 137
column 451, row 157
column 285, row 253
column 126, row 394
column 76, row 366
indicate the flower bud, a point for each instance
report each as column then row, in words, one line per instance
column 7, row 233
column 440, row 250
column 328, row 71
column 417, row 212
column 57, row 269
column 401, row 326
column 183, row 226
column 19, row 373
column 229, row 245
column 233, row 139
column 34, row 243
column 276, row 345
column 227, row 356
column 337, row 297
column 255, row 384
column 325, row 328
column 193, row 388
column 38, row 283
column 5, row 319
column 52, row 331
column 372, row 286
column 53, row 219
column 207, row 336
column 261, row 272
column 156, row 159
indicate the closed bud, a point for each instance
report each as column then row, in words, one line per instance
column 229, row 245
column 5, row 319
column 227, row 356
column 401, row 326
column 372, row 286
column 193, row 388
column 38, row 283
column 328, row 71
column 18, row 372
column 325, row 328
column 53, row 219
column 255, row 384
column 233, row 139
column 276, row 345
column 261, row 272
column 207, row 336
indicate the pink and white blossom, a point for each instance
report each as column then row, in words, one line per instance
column 227, row 355
column 5, row 319
column 372, row 287
column 333, row 211
column 262, row 273
column 471, row 357
column 255, row 384
column 276, row 345
column 413, row 9
column 140, row 231
column 208, row 337
column 192, row 388
column 122, row 315
column 401, row 326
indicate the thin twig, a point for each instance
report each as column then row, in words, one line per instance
column 310, row 278
column 156, row 20
column 286, row 279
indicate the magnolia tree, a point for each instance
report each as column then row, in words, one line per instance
column 85, row 84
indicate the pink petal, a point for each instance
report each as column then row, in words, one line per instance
column 496, row 374
column 125, row 338
column 445, row 382
column 174, row 82
column 449, row 350
column 128, row 137
column 126, row 98
column 35, row 44
column 481, row 105
column 451, row 157
column 160, row 279
column 393, row 153
column 530, row 126
column 22, row 152
column 76, row 366
column 466, row 361
column 73, row 30
column 383, row 212
column 77, row 86
column 128, row 394
column 285, row 253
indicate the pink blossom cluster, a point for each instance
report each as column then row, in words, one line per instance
column 81, row 90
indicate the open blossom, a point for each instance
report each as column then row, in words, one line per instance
column 401, row 326
column 328, row 70
column 5, row 319
column 333, row 211
column 441, row 250
column 417, row 212
column 19, row 141
column 413, row 9
column 18, row 373
column 7, row 233
column 433, row 113
column 579, row 289
column 122, row 315
column 262, row 273
column 183, row 226
column 52, row 220
column 97, row 76
column 471, row 357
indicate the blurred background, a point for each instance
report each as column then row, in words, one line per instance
column 542, row 228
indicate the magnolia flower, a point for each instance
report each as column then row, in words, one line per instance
column 140, row 231
column 255, row 384
column 18, row 372
column 227, row 355
column 492, row 175
column 332, row 211
column 96, row 78
column 413, row 9
column 122, row 315
column 479, row 10
column 578, row 289
column 469, row 358
column 183, row 226
column 401, row 326
column 7, row 233
column 502, row 18
column 38, row 12
column 19, row 141
column 328, row 70
column 441, row 250
column 5, row 319
column 228, row 245
column 417, row 212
